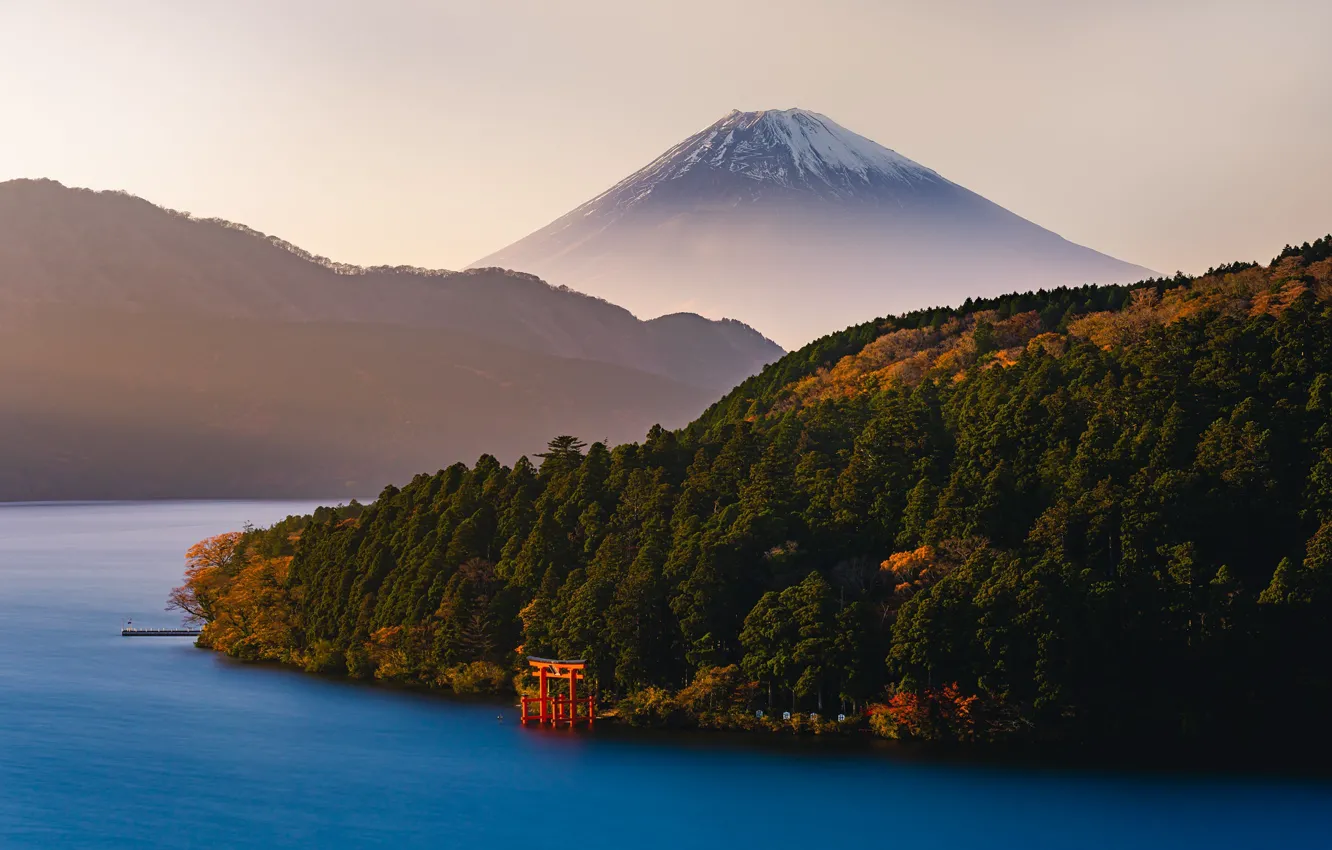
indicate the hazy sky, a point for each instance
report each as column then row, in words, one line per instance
column 1171, row 134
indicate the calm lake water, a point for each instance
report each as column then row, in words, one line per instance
column 115, row 742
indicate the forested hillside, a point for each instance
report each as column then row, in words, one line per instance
column 1088, row 514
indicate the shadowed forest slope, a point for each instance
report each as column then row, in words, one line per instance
column 157, row 406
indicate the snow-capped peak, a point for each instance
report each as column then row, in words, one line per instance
column 786, row 149
column 819, row 145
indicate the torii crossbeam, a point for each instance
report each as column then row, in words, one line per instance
column 558, row 709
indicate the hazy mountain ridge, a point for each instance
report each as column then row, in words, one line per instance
column 152, row 354
column 800, row 226
column 117, row 251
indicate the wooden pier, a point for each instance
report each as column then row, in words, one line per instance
column 133, row 632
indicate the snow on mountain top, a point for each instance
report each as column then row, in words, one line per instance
column 792, row 148
column 818, row 144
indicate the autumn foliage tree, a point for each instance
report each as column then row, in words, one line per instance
column 254, row 616
column 239, row 595
column 209, row 566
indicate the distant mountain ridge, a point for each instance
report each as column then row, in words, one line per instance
column 116, row 251
column 800, row 226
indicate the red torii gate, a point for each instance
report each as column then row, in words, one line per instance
column 557, row 709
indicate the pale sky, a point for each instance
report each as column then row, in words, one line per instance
column 1175, row 135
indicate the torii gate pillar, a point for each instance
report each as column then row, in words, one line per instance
column 556, row 709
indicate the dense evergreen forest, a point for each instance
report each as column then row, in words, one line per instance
column 1094, row 513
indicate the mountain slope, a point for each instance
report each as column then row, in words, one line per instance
column 800, row 226
column 116, row 251
column 146, row 405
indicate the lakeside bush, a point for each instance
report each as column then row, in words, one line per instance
column 478, row 677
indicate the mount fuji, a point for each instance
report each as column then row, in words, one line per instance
column 800, row 227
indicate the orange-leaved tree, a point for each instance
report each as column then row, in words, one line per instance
column 254, row 614
column 209, row 566
column 946, row 713
column 240, row 596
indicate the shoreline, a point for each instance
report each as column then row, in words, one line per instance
column 1212, row 761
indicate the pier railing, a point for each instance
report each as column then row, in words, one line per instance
column 135, row 632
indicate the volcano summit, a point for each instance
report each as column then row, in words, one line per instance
column 798, row 226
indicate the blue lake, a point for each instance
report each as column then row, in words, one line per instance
column 148, row 742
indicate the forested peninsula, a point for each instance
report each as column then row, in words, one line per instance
column 1085, row 514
